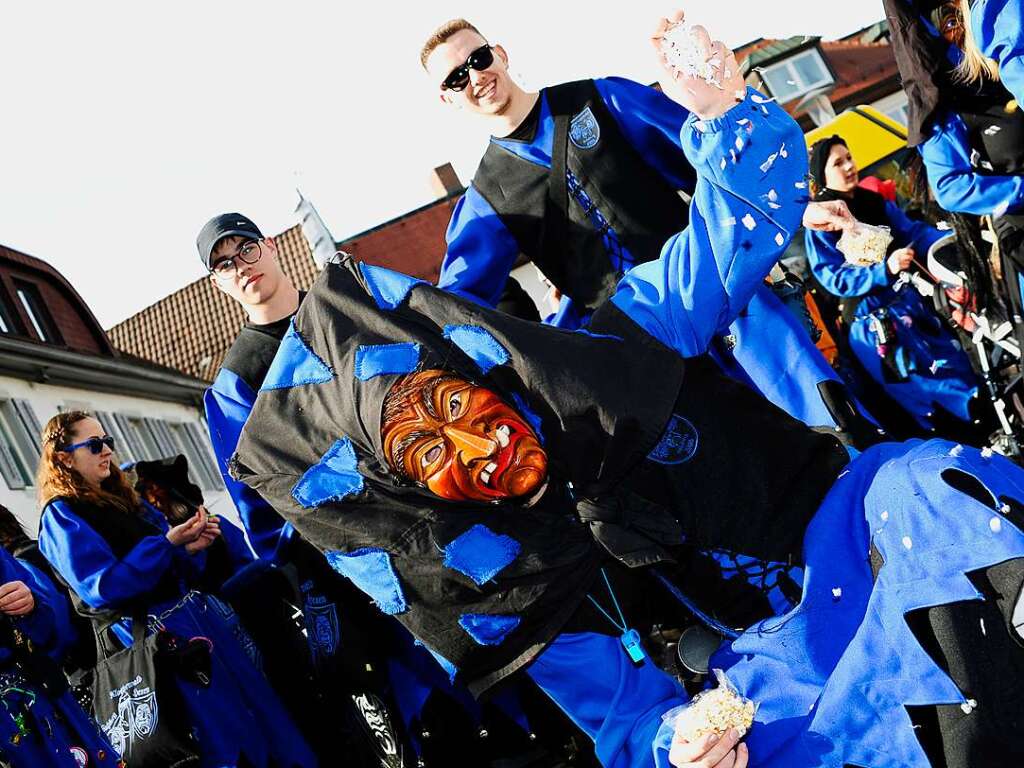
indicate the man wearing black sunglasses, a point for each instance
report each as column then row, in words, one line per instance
column 587, row 179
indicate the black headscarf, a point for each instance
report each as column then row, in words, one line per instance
column 865, row 205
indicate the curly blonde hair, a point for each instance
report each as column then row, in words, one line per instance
column 55, row 479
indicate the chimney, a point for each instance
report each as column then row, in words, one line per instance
column 445, row 181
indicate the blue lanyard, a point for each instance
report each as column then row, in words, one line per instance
column 630, row 638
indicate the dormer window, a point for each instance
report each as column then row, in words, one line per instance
column 37, row 313
column 797, row 75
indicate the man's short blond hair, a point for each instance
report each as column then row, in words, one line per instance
column 441, row 36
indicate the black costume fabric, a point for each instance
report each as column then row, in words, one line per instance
column 534, row 202
column 486, row 586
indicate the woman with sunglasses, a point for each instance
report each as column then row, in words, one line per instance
column 121, row 558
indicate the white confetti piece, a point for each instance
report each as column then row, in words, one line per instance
column 969, row 706
column 837, row 592
column 740, row 95
column 784, row 152
column 983, row 630
column 764, row 109
column 885, row 516
column 995, row 524
column 908, row 542
column 743, row 121
column 780, row 240
column 749, row 223
column 801, row 185
column 773, row 195
column 734, row 156
column 723, row 164
column 956, row 450
column 729, row 221
column 774, row 206
column 739, row 143
column 757, row 98
column 1005, row 509
column 767, row 164
column 986, row 452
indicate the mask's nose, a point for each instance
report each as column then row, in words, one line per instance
column 468, row 445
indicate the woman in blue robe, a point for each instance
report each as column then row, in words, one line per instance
column 41, row 724
column 897, row 338
column 120, row 558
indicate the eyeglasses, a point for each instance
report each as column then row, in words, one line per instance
column 94, row 444
column 248, row 253
column 480, row 59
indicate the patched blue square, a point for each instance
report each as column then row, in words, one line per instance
column 480, row 553
column 479, row 344
column 295, row 364
column 488, row 630
column 333, row 478
column 370, row 569
column 382, row 359
column 388, row 288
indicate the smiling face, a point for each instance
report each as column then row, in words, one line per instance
column 840, row 171
column 459, row 440
column 489, row 92
column 93, row 467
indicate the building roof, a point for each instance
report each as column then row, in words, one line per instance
column 863, row 64
column 79, row 354
column 192, row 329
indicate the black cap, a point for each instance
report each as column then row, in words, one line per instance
column 219, row 227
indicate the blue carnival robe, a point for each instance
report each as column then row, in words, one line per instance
column 56, row 722
column 831, row 677
column 998, row 31
column 773, row 352
column 238, row 714
column 937, row 371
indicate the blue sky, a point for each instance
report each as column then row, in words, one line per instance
column 126, row 125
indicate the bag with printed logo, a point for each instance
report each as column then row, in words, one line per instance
column 137, row 705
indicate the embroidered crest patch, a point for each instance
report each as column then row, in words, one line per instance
column 678, row 443
column 584, row 131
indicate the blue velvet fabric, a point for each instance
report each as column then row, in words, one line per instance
column 382, row 359
column 833, row 677
column 333, row 478
column 389, row 288
column 295, row 364
column 487, row 629
column 485, row 350
column 370, row 569
column 480, row 553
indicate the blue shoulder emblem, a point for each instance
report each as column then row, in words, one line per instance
column 584, row 132
column 678, row 443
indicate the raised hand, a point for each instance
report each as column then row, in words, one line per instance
column 189, row 531
column 699, row 73
column 828, row 216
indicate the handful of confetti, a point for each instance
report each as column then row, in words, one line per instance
column 714, row 711
column 685, row 54
column 864, row 245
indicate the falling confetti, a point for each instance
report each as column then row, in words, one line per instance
column 837, row 592
column 684, row 53
column 983, row 631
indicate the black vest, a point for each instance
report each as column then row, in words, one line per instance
column 728, row 467
column 253, row 350
column 554, row 231
column 996, row 135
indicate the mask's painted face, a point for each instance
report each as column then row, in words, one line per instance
column 459, row 440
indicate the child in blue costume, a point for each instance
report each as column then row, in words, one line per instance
column 119, row 557
column 491, row 483
column 898, row 339
column 41, row 724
